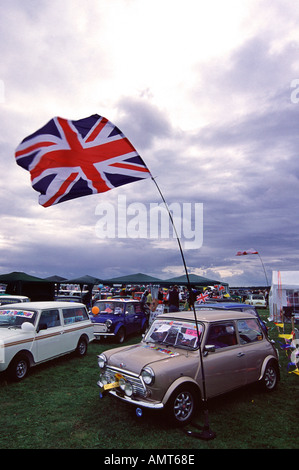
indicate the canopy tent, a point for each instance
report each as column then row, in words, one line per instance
column 57, row 279
column 284, row 293
column 19, row 283
column 84, row 280
column 194, row 279
column 138, row 278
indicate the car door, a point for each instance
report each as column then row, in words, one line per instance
column 225, row 367
column 132, row 319
column 49, row 335
column 252, row 344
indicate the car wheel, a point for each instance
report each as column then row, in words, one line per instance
column 19, row 368
column 120, row 335
column 270, row 377
column 81, row 347
column 182, row 405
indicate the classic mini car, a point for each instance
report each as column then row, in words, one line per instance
column 118, row 318
column 258, row 300
column 232, row 306
column 163, row 371
column 34, row 332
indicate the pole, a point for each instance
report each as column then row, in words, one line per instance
column 206, row 433
column 263, row 268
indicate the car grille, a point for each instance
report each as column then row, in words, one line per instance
column 138, row 387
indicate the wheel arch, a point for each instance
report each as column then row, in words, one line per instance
column 25, row 353
column 269, row 360
column 177, row 383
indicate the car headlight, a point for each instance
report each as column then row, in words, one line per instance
column 108, row 323
column 126, row 387
column 148, row 376
column 102, row 361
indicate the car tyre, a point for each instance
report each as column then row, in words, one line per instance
column 182, row 405
column 19, row 368
column 121, row 335
column 270, row 378
column 81, row 349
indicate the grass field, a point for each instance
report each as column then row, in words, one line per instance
column 58, row 407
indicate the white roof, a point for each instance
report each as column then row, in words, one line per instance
column 42, row 305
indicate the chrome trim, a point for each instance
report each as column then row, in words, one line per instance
column 144, row 404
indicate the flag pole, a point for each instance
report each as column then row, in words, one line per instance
column 206, row 433
column 263, row 269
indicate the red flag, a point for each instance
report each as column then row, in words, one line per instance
column 247, row 252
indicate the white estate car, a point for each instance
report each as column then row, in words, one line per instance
column 34, row 332
column 258, row 300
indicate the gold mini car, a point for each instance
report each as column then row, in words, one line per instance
column 164, row 371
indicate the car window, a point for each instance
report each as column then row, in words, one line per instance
column 50, row 318
column 74, row 315
column 109, row 308
column 222, row 335
column 249, row 331
column 179, row 333
column 130, row 310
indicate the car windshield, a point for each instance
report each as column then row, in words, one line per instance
column 109, row 308
column 15, row 317
column 178, row 333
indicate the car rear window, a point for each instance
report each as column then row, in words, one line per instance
column 74, row 315
column 249, row 331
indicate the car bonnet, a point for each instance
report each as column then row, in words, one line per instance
column 143, row 354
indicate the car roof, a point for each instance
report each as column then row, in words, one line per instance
column 207, row 315
column 224, row 305
column 42, row 305
column 116, row 299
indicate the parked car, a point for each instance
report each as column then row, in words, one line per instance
column 163, row 371
column 35, row 332
column 118, row 318
column 258, row 300
column 12, row 299
column 233, row 306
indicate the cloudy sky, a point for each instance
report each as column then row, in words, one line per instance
column 207, row 92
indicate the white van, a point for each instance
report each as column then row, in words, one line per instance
column 34, row 332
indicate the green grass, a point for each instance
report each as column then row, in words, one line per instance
column 58, row 407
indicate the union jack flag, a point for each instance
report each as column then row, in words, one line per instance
column 69, row 159
column 202, row 298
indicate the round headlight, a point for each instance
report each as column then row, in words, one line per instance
column 102, row 360
column 108, row 323
column 148, row 376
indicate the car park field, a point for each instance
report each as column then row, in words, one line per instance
column 58, row 407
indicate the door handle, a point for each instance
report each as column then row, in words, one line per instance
column 240, row 354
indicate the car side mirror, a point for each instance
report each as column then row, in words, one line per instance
column 28, row 327
column 208, row 349
column 42, row 326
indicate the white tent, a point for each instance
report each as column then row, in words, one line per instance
column 284, row 293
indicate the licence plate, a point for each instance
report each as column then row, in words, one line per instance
column 110, row 386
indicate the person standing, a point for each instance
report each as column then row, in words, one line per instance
column 174, row 300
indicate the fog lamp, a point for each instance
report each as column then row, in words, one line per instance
column 126, row 387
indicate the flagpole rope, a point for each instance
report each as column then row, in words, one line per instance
column 206, row 434
column 185, row 266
